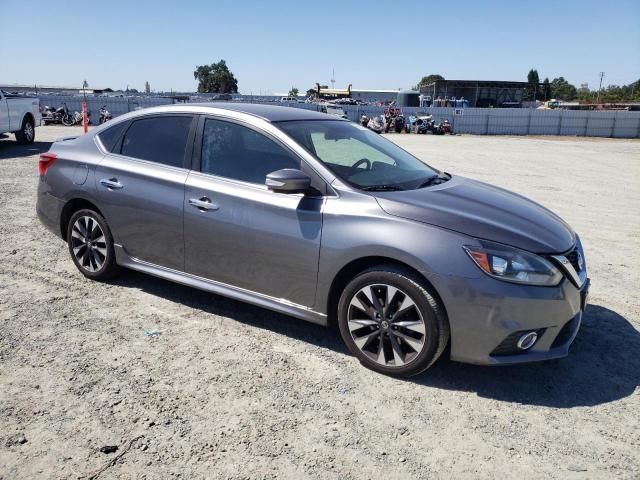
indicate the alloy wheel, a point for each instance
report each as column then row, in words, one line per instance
column 88, row 243
column 28, row 131
column 386, row 325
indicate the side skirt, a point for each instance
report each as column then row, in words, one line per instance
column 265, row 301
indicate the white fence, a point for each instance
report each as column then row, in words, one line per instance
column 478, row 121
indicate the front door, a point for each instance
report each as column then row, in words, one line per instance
column 140, row 186
column 239, row 233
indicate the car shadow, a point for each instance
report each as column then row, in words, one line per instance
column 235, row 310
column 11, row 149
column 603, row 364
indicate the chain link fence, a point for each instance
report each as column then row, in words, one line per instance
column 477, row 121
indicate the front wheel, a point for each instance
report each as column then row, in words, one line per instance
column 91, row 245
column 27, row 134
column 392, row 322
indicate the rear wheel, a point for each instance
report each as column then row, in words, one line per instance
column 67, row 120
column 392, row 322
column 27, row 133
column 91, row 245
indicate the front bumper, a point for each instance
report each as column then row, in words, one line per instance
column 485, row 314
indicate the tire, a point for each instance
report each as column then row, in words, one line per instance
column 413, row 333
column 27, row 133
column 67, row 120
column 100, row 261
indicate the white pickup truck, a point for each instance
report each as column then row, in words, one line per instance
column 19, row 114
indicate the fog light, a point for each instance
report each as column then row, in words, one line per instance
column 526, row 341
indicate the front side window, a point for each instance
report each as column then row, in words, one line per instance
column 158, row 139
column 232, row 151
column 358, row 156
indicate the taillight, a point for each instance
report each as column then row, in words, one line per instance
column 46, row 160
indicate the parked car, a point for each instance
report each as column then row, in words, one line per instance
column 288, row 100
column 222, row 97
column 332, row 109
column 322, row 219
column 19, row 115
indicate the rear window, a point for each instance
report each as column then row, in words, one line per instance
column 158, row 139
column 111, row 135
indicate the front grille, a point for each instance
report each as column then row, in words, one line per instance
column 509, row 346
column 573, row 259
column 566, row 332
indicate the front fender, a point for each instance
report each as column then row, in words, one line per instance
column 355, row 227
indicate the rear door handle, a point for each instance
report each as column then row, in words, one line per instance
column 111, row 183
column 203, row 204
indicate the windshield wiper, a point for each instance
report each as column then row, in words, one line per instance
column 382, row 188
column 435, row 180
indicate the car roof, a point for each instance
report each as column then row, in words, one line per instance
column 271, row 113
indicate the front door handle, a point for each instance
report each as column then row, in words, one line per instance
column 111, row 183
column 203, row 204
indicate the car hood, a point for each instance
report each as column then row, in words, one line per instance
column 482, row 211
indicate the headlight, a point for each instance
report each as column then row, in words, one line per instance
column 513, row 265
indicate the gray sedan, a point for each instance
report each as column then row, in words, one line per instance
column 317, row 217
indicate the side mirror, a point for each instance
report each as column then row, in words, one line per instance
column 288, row 180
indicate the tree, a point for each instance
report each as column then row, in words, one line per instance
column 563, row 90
column 532, row 92
column 147, row 87
column 215, row 78
column 293, row 92
column 611, row 94
column 429, row 79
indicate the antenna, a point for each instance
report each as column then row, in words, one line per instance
column 333, row 78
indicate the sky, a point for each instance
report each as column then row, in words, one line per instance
column 271, row 46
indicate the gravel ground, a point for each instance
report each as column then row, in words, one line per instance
column 175, row 382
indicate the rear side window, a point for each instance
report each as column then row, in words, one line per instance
column 232, row 151
column 111, row 135
column 158, row 139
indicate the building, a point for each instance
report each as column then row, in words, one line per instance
column 485, row 93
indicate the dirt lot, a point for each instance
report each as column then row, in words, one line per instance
column 227, row 390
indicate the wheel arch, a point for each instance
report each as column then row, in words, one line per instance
column 29, row 116
column 71, row 207
column 356, row 266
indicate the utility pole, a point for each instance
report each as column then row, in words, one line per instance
column 600, row 88
column 333, row 78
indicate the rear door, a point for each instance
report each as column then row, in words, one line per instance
column 238, row 232
column 140, row 185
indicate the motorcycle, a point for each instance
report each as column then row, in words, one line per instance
column 377, row 124
column 77, row 118
column 105, row 115
column 58, row 115
column 445, row 127
column 421, row 122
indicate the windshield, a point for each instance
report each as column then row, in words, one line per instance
column 359, row 156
